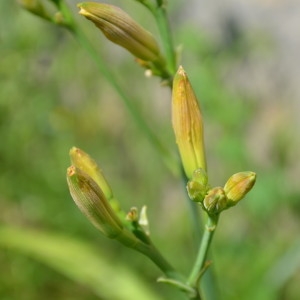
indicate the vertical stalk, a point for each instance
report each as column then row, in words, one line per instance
column 160, row 15
column 199, row 266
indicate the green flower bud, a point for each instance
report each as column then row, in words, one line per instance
column 200, row 176
column 121, row 29
column 35, row 7
column 238, row 185
column 85, row 163
column 197, row 187
column 132, row 215
column 92, row 202
column 187, row 124
column 215, row 201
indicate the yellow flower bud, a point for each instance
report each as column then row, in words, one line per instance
column 238, row 185
column 187, row 124
column 215, row 201
column 121, row 29
column 92, row 202
column 85, row 163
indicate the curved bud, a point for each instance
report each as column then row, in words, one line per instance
column 187, row 124
column 85, row 163
column 92, row 202
column 121, row 29
column 238, row 185
column 215, row 201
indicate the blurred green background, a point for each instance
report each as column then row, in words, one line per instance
column 52, row 97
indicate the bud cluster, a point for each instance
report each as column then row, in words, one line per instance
column 93, row 196
column 214, row 200
column 188, row 129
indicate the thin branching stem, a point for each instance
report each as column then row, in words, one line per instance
column 160, row 15
column 199, row 265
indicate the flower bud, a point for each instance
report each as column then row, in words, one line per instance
column 92, row 202
column 187, row 124
column 35, row 7
column 132, row 215
column 215, row 201
column 197, row 187
column 238, row 185
column 121, row 29
column 85, row 163
column 143, row 220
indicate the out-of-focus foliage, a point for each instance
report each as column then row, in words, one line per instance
column 53, row 98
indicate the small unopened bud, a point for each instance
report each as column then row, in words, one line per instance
column 215, row 201
column 187, row 124
column 121, row 29
column 238, row 185
column 36, row 7
column 59, row 19
column 143, row 220
column 132, row 215
column 92, row 202
column 197, row 186
column 85, row 163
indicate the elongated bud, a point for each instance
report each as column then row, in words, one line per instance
column 36, row 7
column 197, row 186
column 92, row 202
column 121, row 29
column 215, row 201
column 187, row 124
column 238, row 185
column 85, row 163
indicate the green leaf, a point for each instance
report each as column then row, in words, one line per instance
column 78, row 261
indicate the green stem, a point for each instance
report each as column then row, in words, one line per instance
column 196, row 221
column 145, row 246
column 157, row 258
column 199, row 266
column 160, row 15
column 173, row 277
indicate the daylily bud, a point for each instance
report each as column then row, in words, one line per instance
column 85, row 163
column 238, row 185
column 187, row 124
column 215, row 201
column 35, row 7
column 92, row 202
column 197, row 187
column 121, row 29
column 132, row 215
